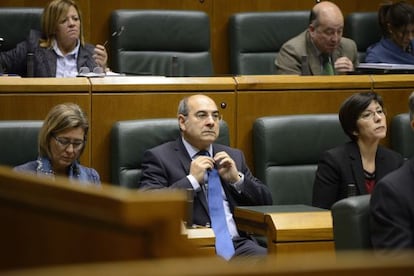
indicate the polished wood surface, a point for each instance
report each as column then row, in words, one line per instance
column 32, row 98
column 350, row 263
column 49, row 221
column 203, row 239
column 96, row 16
column 288, row 228
column 130, row 98
column 241, row 100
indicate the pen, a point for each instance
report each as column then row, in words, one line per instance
column 116, row 33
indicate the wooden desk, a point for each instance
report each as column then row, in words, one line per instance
column 46, row 221
column 288, row 228
column 203, row 239
column 129, row 98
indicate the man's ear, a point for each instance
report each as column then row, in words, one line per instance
column 181, row 121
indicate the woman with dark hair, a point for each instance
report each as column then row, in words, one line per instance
column 62, row 140
column 397, row 25
column 59, row 50
column 360, row 163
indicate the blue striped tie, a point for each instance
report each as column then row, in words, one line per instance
column 224, row 243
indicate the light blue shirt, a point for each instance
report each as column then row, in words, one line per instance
column 231, row 224
column 66, row 65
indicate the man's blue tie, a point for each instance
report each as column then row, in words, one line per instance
column 224, row 243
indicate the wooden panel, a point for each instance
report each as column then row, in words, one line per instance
column 259, row 96
column 308, row 247
column 32, row 98
column 128, row 98
column 49, row 221
column 288, row 228
column 349, row 263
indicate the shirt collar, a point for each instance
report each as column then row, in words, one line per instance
column 192, row 151
column 74, row 52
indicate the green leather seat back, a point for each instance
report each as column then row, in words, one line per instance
column 287, row 149
column 16, row 23
column 256, row 37
column 18, row 141
column 130, row 139
column 151, row 38
column 402, row 135
column 351, row 223
column 363, row 28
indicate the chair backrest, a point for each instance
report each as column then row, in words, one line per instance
column 286, row 151
column 256, row 38
column 402, row 135
column 351, row 223
column 16, row 23
column 18, row 141
column 363, row 28
column 161, row 42
column 130, row 139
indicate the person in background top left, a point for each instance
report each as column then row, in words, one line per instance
column 62, row 140
column 60, row 50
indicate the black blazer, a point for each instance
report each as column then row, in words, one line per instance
column 167, row 166
column 341, row 166
column 392, row 210
column 14, row 60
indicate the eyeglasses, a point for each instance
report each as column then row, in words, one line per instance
column 97, row 72
column 203, row 116
column 65, row 142
column 369, row 114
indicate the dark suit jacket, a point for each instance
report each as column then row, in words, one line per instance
column 392, row 210
column 167, row 166
column 14, row 61
column 288, row 60
column 341, row 166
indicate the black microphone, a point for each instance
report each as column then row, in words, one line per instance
column 174, row 66
column 304, row 66
column 30, row 65
column 351, row 190
column 190, row 202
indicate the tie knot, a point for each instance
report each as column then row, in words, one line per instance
column 203, row 153
column 325, row 58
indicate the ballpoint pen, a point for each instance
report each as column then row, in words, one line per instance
column 114, row 34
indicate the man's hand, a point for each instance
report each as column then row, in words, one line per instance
column 226, row 167
column 199, row 166
column 343, row 65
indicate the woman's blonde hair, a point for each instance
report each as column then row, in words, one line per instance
column 60, row 118
column 54, row 12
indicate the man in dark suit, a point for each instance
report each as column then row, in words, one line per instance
column 392, row 206
column 321, row 49
column 177, row 165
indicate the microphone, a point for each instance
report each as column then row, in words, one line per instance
column 190, row 201
column 30, row 65
column 351, row 190
column 304, row 66
column 174, row 66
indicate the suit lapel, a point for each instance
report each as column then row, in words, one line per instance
column 356, row 166
column 313, row 58
column 185, row 161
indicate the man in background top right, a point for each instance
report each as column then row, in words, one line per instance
column 396, row 45
column 392, row 205
column 320, row 49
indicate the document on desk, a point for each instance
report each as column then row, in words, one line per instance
column 386, row 66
